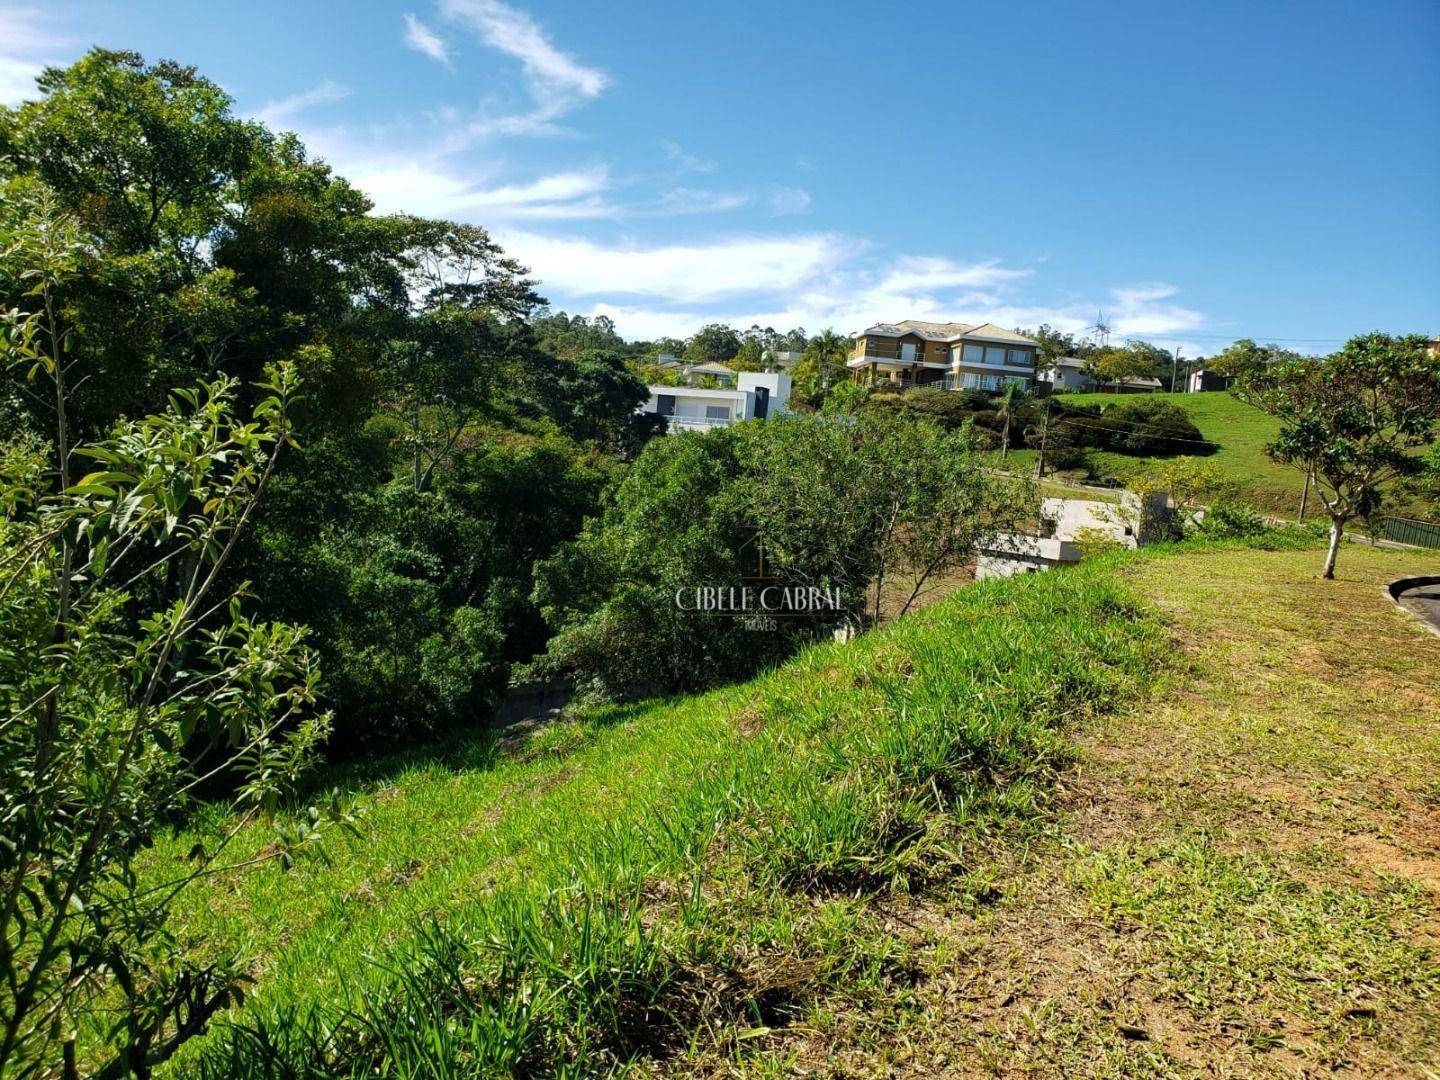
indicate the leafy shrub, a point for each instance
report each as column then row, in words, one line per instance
column 1140, row 424
column 834, row 502
column 1230, row 521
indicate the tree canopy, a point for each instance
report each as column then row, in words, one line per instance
column 1355, row 421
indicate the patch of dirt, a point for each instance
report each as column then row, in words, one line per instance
column 1383, row 858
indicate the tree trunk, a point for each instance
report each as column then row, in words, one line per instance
column 1337, row 532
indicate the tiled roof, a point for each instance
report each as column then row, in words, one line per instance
column 998, row 333
column 951, row 331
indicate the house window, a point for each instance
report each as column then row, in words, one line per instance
column 717, row 412
column 994, row 356
column 973, row 354
column 970, row 381
column 1020, row 357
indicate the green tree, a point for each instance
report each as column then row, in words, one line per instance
column 1054, row 344
column 1243, row 358
column 130, row 677
column 712, row 344
column 821, row 367
column 848, row 503
column 1010, row 399
column 1354, row 421
column 594, row 397
column 1119, row 365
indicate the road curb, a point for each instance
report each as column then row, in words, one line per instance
column 1402, row 585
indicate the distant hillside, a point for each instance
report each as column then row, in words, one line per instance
column 1241, row 431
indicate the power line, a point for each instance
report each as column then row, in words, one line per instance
column 1230, row 337
column 1154, row 433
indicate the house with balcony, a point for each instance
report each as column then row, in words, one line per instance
column 756, row 395
column 951, row 356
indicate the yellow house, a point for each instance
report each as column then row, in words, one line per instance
column 954, row 356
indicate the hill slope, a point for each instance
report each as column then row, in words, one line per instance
column 1241, row 431
column 855, row 863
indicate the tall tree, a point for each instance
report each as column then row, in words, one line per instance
column 1118, row 365
column 712, row 344
column 1354, row 421
column 130, row 677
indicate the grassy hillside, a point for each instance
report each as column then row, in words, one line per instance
column 621, row 885
column 1241, row 431
column 856, row 864
column 1243, row 877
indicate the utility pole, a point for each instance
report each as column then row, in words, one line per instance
column 1044, row 438
column 1305, row 493
column 1175, row 372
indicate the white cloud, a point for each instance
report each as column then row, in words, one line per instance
column 281, row 111
column 17, row 80
column 685, row 162
column 913, row 273
column 679, row 273
column 787, row 201
column 557, row 82
column 682, row 201
column 422, row 39
column 27, row 46
column 431, row 189
column 1138, row 312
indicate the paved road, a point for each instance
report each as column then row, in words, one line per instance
column 1424, row 599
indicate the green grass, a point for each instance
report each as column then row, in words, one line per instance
column 1241, row 431
column 861, row 862
column 672, row 880
column 1243, row 878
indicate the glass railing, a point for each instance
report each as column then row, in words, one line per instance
column 699, row 423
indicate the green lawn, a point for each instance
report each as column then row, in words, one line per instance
column 1156, row 815
column 1240, row 430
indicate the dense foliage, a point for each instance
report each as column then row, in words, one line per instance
column 441, row 447
column 1140, row 424
column 130, row 676
column 826, row 501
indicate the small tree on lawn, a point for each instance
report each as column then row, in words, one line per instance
column 1118, row 365
column 1353, row 420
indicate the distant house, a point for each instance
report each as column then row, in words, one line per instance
column 1131, row 384
column 757, row 395
column 1204, row 381
column 781, row 359
column 1067, row 374
column 950, row 356
column 693, row 373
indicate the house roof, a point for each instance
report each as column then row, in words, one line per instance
column 709, row 369
column 1132, row 380
column 950, row 331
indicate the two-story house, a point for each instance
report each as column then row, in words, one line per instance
column 755, row 395
column 954, row 356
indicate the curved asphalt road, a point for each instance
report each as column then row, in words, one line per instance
column 1425, row 600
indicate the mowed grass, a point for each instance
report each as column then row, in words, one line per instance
column 1244, row 876
column 1241, row 432
column 677, row 882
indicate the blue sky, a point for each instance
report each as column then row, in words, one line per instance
column 1198, row 172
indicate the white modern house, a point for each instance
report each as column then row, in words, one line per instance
column 755, row 396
